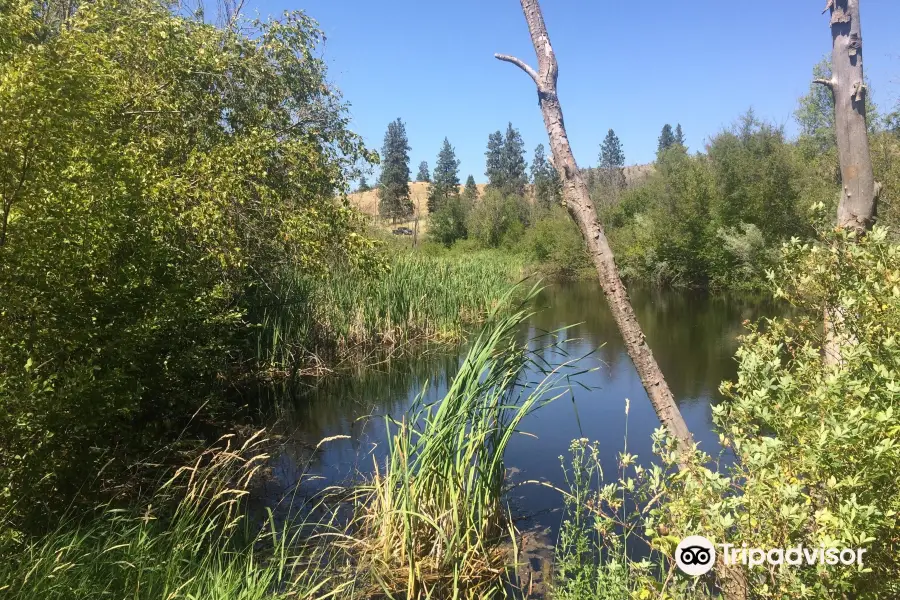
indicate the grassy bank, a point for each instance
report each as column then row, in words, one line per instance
column 431, row 522
column 314, row 324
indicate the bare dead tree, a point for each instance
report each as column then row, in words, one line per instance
column 578, row 203
column 581, row 209
column 858, row 205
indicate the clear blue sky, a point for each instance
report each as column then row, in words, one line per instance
column 631, row 66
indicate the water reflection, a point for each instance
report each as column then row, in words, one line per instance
column 693, row 337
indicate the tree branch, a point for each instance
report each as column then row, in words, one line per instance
column 522, row 65
column 826, row 82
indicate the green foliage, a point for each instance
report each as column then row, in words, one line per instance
column 434, row 517
column 449, row 223
column 363, row 185
column 192, row 538
column 554, row 243
column 679, row 136
column 417, row 297
column 612, row 163
column 423, row 174
column 498, row 219
column 470, row 193
column 815, row 443
column 715, row 219
column 513, row 161
column 666, row 139
column 506, row 166
column 154, row 170
column 393, row 185
column 494, row 160
column 547, row 185
column 446, row 178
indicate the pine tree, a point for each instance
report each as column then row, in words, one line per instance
column 666, row 139
column 612, row 162
column 363, row 185
column 471, row 191
column 423, row 172
column 393, row 189
column 545, row 178
column 494, row 160
column 679, row 136
column 513, row 162
column 446, row 178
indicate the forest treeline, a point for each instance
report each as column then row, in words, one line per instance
column 712, row 218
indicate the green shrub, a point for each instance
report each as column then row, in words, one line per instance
column 496, row 219
column 157, row 175
column 554, row 242
column 815, row 444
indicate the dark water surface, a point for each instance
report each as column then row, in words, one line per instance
column 693, row 336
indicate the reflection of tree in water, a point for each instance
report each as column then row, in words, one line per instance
column 692, row 334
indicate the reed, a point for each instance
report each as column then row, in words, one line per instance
column 431, row 522
column 304, row 323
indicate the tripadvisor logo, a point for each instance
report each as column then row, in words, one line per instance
column 696, row 555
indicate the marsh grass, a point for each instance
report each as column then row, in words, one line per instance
column 308, row 325
column 192, row 539
column 431, row 522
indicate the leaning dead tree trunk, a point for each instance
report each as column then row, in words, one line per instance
column 581, row 209
column 578, row 202
column 857, row 207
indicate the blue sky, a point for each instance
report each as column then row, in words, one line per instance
column 631, row 66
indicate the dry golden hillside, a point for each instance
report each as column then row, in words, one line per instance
column 367, row 202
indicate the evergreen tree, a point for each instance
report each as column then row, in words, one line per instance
column 513, row 163
column 393, row 189
column 423, row 172
column 612, row 162
column 545, row 178
column 679, row 136
column 494, row 160
column 666, row 139
column 363, row 185
column 446, row 178
column 471, row 191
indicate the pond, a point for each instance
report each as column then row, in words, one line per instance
column 692, row 334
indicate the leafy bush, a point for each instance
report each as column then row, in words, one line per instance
column 816, row 444
column 157, row 173
column 497, row 219
column 449, row 223
column 555, row 243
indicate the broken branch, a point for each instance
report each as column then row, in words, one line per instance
column 521, row 64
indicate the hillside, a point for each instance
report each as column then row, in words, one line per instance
column 367, row 202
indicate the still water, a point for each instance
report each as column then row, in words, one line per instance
column 693, row 336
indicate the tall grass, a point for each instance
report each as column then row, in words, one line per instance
column 431, row 522
column 206, row 547
column 308, row 322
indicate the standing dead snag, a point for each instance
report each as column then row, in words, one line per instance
column 859, row 194
column 857, row 208
column 581, row 209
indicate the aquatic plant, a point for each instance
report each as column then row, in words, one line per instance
column 431, row 522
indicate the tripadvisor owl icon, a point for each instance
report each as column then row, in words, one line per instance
column 695, row 555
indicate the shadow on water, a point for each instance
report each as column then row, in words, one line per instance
column 693, row 336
